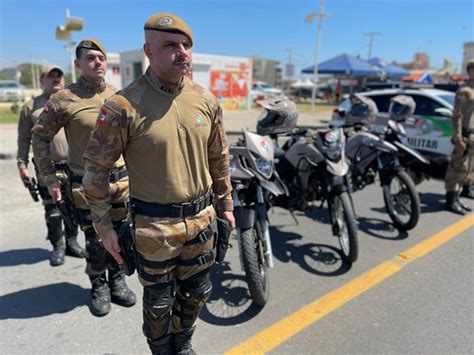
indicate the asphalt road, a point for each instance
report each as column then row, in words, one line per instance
column 426, row 307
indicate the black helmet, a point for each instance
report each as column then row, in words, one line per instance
column 280, row 116
column 401, row 107
column 363, row 109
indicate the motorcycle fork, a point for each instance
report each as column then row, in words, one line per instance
column 262, row 218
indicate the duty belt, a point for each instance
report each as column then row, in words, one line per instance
column 466, row 132
column 174, row 210
column 114, row 176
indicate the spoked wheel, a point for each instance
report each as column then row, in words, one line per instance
column 345, row 226
column 402, row 201
column 253, row 258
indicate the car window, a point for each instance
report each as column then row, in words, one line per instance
column 382, row 101
column 425, row 106
column 447, row 98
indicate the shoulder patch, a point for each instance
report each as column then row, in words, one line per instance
column 47, row 107
column 102, row 116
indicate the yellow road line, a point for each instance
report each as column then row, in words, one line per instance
column 284, row 329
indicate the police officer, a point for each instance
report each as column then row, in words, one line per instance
column 76, row 109
column 52, row 80
column 171, row 134
column 461, row 167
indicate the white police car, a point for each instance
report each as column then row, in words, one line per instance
column 429, row 130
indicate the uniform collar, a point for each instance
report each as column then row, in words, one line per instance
column 160, row 86
column 90, row 86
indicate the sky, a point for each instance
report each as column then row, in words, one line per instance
column 267, row 28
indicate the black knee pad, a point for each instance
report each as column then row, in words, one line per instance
column 96, row 253
column 157, row 302
column 196, row 290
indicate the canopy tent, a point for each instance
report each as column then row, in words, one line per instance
column 391, row 70
column 344, row 64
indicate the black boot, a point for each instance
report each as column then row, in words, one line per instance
column 57, row 257
column 463, row 206
column 161, row 346
column 468, row 191
column 73, row 248
column 182, row 342
column 452, row 203
column 119, row 290
column 100, row 295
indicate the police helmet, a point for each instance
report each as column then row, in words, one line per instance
column 363, row 109
column 401, row 107
column 279, row 116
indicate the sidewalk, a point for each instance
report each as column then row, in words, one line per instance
column 234, row 122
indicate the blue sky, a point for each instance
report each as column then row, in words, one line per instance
column 267, row 28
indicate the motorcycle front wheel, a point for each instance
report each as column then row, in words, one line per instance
column 402, row 201
column 253, row 259
column 346, row 226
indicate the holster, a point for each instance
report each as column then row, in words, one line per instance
column 222, row 240
column 127, row 247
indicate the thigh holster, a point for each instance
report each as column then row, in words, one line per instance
column 96, row 253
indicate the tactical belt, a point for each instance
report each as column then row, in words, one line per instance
column 174, row 210
column 114, row 176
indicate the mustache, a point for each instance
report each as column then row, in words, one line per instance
column 181, row 61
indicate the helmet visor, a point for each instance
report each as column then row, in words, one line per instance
column 399, row 110
column 359, row 110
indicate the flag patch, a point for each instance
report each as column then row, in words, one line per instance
column 102, row 116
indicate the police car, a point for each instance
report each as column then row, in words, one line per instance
column 429, row 130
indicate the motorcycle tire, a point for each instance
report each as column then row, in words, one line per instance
column 344, row 216
column 253, row 259
column 406, row 200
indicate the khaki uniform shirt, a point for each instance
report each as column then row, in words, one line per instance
column 76, row 109
column 173, row 142
column 463, row 113
column 28, row 117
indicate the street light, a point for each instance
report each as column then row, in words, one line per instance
column 320, row 15
column 63, row 33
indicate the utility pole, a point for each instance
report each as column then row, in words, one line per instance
column 371, row 42
column 290, row 69
column 320, row 15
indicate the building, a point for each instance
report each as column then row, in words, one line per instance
column 468, row 54
column 228, row 78
column 421, row 61
column 267, row 70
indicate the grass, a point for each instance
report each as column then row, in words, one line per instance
column 7, row 116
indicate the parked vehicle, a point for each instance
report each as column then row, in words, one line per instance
column 10, row 90
column 254, row 182
column 373, row 151
column 263, row 91
column 314, row 168
column 428, row 131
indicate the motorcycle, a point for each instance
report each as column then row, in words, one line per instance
column 315, row 168
column 254, row 182
column 384, row 151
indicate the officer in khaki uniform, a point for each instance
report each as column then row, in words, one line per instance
column 76, row 109
column 171, row 134
column 52, row 80
column 461, row 168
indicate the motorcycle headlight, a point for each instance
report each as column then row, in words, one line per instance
column 333, row 153
column 263, row 166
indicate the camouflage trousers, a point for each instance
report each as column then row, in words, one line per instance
column 461, row 169
column 98, row 260
column 54, row 221
column 174, row 256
